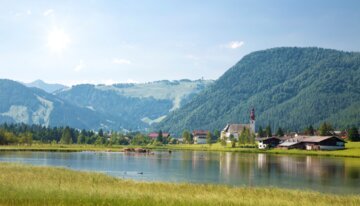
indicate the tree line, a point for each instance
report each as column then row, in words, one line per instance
column 27, row 134
column 325, row 129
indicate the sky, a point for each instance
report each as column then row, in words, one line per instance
column 104, row 41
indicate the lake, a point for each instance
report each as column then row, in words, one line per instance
column 324, row 174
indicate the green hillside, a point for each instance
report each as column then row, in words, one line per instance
column 34, row 106
column 289, row 87
column 140, row 105
column 116, row 107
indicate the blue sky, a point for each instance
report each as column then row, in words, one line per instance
column 97, row 41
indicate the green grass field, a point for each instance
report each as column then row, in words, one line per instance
column 352, row 149
column 31, row 185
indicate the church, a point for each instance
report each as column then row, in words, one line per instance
column 236, row 129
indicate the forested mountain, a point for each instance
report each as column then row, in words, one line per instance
column 139, row 104
column 34, row 106
column 115, row 107
column 288, row 87
column 50, row 88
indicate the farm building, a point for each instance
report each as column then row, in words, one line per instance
column 314, row 143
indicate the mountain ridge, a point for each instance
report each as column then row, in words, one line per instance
column 125, row 107
column 275, row 81
column 49, row 88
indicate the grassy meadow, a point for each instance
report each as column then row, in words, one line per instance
column 32, row 185
column 352, row 149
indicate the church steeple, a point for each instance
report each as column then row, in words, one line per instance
column 252, row 114
column 252, row 120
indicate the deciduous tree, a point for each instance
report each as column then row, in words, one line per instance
column 208, row 138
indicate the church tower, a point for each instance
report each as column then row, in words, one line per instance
column 252, row 120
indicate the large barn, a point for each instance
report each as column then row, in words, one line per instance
column 314, row 143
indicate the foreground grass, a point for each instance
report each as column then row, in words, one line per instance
column 30, row 185
column 352, row 149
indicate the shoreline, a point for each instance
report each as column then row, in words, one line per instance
column 26, row 184
column 352, row 151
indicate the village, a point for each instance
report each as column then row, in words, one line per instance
column 235, row 133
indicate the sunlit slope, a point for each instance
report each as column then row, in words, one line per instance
column 139, row 104
column 20, row 104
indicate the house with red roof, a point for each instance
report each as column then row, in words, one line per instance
column 154, row 135
column 199, row 136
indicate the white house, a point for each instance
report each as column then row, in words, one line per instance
column 199, row 136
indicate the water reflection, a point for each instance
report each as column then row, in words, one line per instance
column 338, row 175
column 307, row 172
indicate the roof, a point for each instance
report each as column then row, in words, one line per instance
column 319, row 138
column 266, row 138
column 156, row 134
column 288, row 144
column 200, row 132
column 313, row 139
column 232, row 128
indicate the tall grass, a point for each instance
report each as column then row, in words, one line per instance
column 30, row 185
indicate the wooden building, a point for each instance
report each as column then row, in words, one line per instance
column 268, row 142
column 314, row 143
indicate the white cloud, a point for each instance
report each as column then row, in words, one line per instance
column 121, row 61
column 28, row 12
column 48, row 12
column 234, row 44
column 80, row 66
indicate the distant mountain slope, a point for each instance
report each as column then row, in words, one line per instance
column 115, row 107
column 34, row 106
column 139, row 104
column 50, row 88
column 289, row 87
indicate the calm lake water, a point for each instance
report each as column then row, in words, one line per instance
column 325, row 174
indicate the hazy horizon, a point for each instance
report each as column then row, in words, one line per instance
column 109, row 83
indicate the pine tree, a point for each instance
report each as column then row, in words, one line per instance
column 66, row 136
column 310, row 131
column 216, row 135
column 325, row 129
column 159, row 138
column 261, row 132
column 280, row 132
column 353, row 134
column 268, row 131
